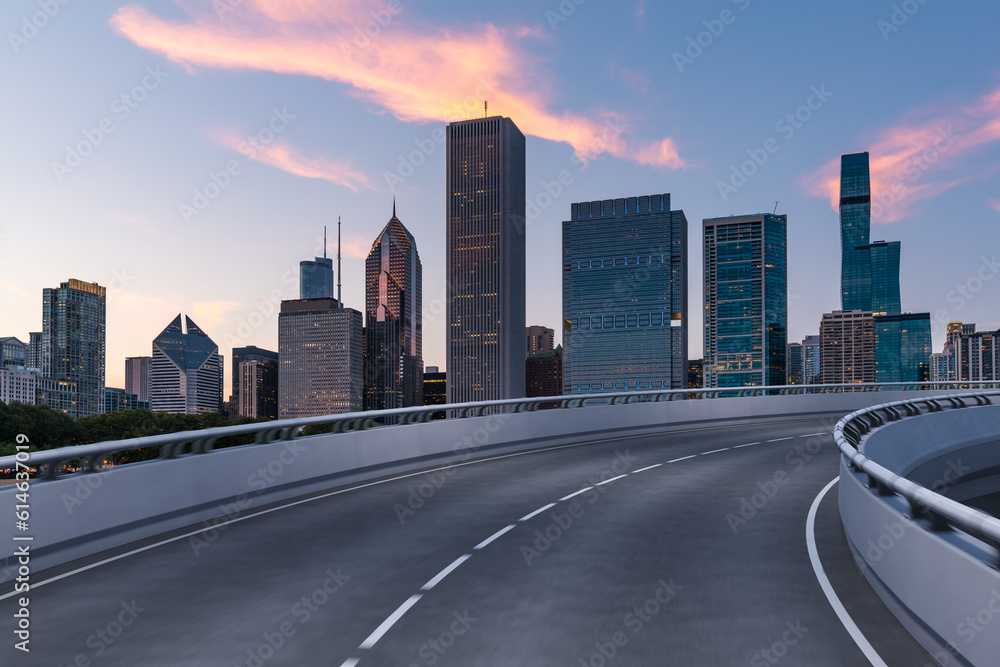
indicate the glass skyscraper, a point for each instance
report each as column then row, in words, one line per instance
column 903, row 347
column 185, row 373
column 746, row 300
column 393, row 320
column 316, row 278
column 73, row 341
column 855, row 229
column 884, row 260
column 485, row 259
column 624, row 296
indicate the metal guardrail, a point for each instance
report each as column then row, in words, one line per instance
column 203, row 441
column 942, row 512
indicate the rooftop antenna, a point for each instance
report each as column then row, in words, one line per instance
column 775, row 208
column 340, row 302
column 324, row 241
column 486, row 108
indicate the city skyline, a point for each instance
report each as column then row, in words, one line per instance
column 109, row 214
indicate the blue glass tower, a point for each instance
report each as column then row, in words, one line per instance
column 316, row 279
column 746, row 311
column 624, row 296
column 855, row 229
column 903, row 347
column 883, row 258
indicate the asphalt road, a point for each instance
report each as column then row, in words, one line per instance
column 698, row 561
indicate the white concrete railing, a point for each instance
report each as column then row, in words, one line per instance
column 932, row 560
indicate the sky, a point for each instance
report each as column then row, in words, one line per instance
column 186, row 155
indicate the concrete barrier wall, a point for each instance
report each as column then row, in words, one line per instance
column 942, row 586
column 83, row 514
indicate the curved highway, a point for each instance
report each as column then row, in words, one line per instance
column 688, row 548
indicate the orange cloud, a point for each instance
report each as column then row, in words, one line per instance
column 416, row 72
column 914, row 160
column 281, row 155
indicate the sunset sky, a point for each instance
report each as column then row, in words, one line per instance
column 187, row 154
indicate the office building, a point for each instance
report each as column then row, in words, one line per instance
column 539, row 340
column 254, row 383
column 435, row 386
column 847, row 347
column 137, row 377
column 185, row 371
column 320, row 359
column 544, row 373
column 17, row 385
column 746, row 305
column 13, row 352
column 393, row 359
column 624, row 296
column 943, row 367
column 903, row 347
column 796, row 370
column 485, row 259
column 884, row 260
column 696, row 374
column 810, row 359
column 119, row 400
column 34, row 350
column 73, row 340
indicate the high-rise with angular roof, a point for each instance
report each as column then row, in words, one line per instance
column 185, row 374
column 393, row 363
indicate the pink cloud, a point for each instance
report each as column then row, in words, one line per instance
column 918, row 159
column 282, row 156
column 416, row 72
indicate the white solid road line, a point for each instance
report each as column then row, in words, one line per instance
column 683, row 458
column 749, row 444
column 389, row 622
column 537, row 512
column 576, row 493
column 715, row 451
column 655, row 465
column 608, row 481
column 809, row 435
column 824, row 582
column 445, row 572
column 494, row 536
column 780, row 439
column 350, row 662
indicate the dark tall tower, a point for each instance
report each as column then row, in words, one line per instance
column 485, row 248
column 393, row 326
column 316, row 276
column 855, row 230
column 73, row 340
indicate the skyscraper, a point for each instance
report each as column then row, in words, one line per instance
column 137, row 377
column 539, row 340
column 13, row 352
column 847, row 347
column 485, row 259
column 35, row 350
column 624, row 296
column 903, row 347
column 393, row 363
column 316, row 277
column 255, row 382
column 883, row 258
column 796, row 371
column 185, row 372
column 746, row 300
column 73, row 341
column 855, row 227
column 977, row 354
column 810, row 359
column 320, row 352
